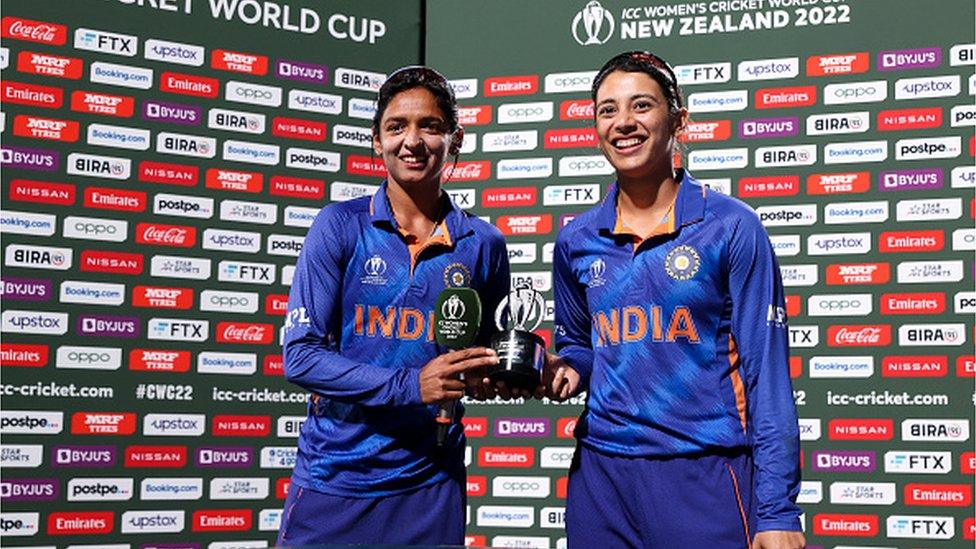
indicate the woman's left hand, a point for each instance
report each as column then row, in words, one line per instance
column 779, row 539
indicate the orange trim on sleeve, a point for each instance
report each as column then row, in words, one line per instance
column 737, row 386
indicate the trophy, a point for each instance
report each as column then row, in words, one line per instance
column 521, row 353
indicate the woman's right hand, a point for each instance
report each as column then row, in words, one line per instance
column 440, row 378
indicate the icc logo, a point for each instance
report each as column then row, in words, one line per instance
column 597, row 269
column 453, row 308
column 593, row 16
column 375, row 266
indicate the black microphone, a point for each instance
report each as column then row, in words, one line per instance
column 457, row 318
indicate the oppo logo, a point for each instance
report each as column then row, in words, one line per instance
column 251, row 93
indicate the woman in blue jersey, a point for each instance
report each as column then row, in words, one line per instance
column 669, row 313
column 358, row 335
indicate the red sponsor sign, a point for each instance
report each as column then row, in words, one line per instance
column 475, row 541
column 233, row 61
column 713, row 130
column 505, row 197
column 275, row 304
column 915, row 366
column 796, row 367
column 860, row 429
column 969, row 528
column 525, row 224
column 23, row 354
column 26, row 190
column 576, row 109
column 297, row 187
column 967, row 463
column 124, row 200
column 839, row 63
column 511, row 85
column 98, row 261
column 162, row 297
column 103, row 423
column 565, row 427
column 835, row 524
column 794, row 305
column 910, row 119
column 861, row 335
column 477, row 485
column 183, row 175
column 50, row 65
column 769, row 185
column 778, row 98
column 281, row 487
column 562, row 487
column 31, row 94
column 274, row 365
column 245, row 333
column 296, row 128
column 102, row 103
column 478, row 115
column 858, row 273
column 475, row 427
column 911, row 241
column 926, row 303
column 569, row 138
column 545, row 334
column 939, row 495
column 966, row 366
column 42, row 32
column 187, row 84
column 838, row 183
column 240, row 426
column 364, row 165
column 45, row 128
column 168, row 457
column 477, row 170
column 233, row 180
column 222, row 520
column 506, row 456
column 158, row 234
column 78, row 523
column 159, row 360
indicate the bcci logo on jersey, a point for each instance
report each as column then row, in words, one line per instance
column 682, row 263
column 456, row 275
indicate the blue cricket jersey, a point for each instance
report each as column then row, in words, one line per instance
column 681, row 339
column 359, row 329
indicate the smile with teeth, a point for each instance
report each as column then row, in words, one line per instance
column 628, row 142
column 414, row 159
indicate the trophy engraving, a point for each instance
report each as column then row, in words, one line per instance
column 521, row 353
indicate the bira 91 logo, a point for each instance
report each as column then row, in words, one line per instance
column 166, row 235
column 170, row 457
column 232, row 180
column 18, row 28
column 506, row 456
column 861, row 429
column 870, row 335
column 50, row 65
column 75, row 523
column 245, row 333
column 46, row 128
column 524, row 224
column 240, row 426
column 159, row 360
column 26, row 190
column 831, row 65
column 31, row 95
column 102, row 103
column 832, row 524
column 858, row 273
column 94, row 423
column 474, row 116
column 232, row 61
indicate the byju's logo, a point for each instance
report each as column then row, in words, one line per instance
column 595, row 22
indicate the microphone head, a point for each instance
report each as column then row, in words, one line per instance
column 457, row 318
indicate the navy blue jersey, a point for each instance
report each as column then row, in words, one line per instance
column 359, row 329
column 681, row 339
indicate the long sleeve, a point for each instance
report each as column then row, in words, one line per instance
column 498, row 281
column 313, row 324
column 572, row 320
column 761, row 334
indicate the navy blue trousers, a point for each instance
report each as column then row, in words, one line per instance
column 621, row 502
column 433, row 515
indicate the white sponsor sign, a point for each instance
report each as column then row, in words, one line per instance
column 254, row 94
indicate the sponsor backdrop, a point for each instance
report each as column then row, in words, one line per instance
column 849, row 128
column 161, row 161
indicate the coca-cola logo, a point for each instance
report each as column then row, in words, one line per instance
column 841, row 336
column 235, row 332
column 468, row 171
column 165, row 235
column 576, row 110
column 34, row 31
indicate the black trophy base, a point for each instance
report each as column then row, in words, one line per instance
column 521, row 356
